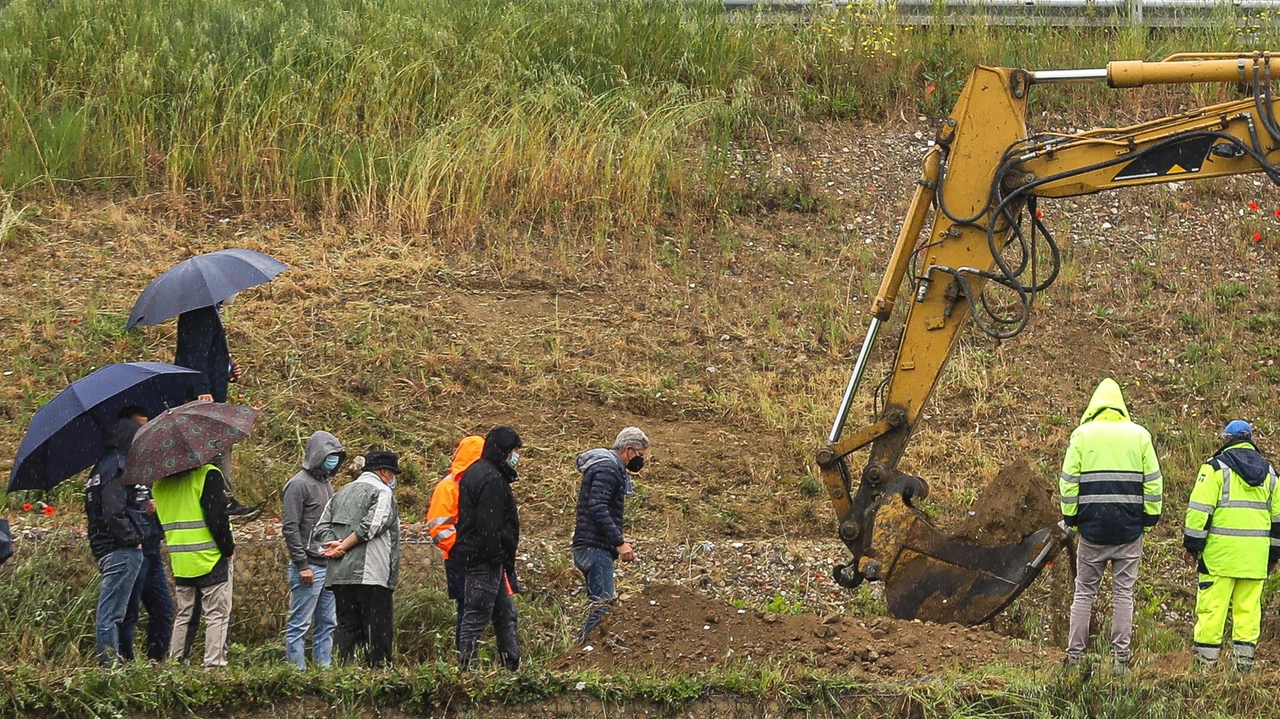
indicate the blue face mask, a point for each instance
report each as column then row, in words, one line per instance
column 392, row 485
column 331, row 462
column 514, row 459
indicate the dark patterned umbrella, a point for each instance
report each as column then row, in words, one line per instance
column 184, row 438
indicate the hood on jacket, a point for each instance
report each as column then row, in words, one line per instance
column 1106, row 397
column 1245, row 460
column 499, row 443
column 469, row 450
column 120, row 434
column 595, row 456
column 321, row 445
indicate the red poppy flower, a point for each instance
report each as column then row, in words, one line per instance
column 1253, row 207
column 1040, row 214
column 1257, row 237
column 26, row 507
column 1277, row 212
column 47, row 510
column 75, row 320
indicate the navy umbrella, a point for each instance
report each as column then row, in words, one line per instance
column 202, row 281
column 66, row 435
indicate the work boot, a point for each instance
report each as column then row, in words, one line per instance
column 1120, row 668
column 242, row 513
column 1071, row 663
column 1242, row 657
column 1205, row 657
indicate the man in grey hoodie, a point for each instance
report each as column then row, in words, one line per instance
column 360, row 533
column 597, row 539
column 311, row 604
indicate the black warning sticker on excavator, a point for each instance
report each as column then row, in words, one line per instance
column 1182, row 157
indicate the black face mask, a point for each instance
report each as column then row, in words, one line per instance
column 636, row 464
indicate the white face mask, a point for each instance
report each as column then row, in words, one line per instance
column 514, row 459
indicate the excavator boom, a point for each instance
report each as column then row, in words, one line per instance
column 972, row 232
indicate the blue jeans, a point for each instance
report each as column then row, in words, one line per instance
column 308, row 605
column 596, row 566
column 152, row 591
column 119, row 575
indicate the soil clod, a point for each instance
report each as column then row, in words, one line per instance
column 1016, row 503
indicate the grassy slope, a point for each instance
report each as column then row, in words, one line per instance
column 536, row 291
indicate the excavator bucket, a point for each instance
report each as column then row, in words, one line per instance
column 931, row 577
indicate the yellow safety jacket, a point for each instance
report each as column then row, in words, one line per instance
column 192, row 551
column 1110, row 487
column 1234, row 514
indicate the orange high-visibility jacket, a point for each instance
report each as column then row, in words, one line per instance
column 442, row 515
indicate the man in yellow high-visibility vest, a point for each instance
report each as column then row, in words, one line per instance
column 1232, row 536
column 192, row 508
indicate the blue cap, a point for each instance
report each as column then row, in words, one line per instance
column 1238, row 428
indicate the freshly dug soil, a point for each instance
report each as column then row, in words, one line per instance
column 1016, row 503
column 672, row 629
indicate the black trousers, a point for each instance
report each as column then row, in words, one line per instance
column 365, row 618
column 487, row 600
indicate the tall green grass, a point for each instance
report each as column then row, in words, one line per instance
column 467, row 116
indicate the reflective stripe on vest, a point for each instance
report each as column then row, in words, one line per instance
column 192, row 551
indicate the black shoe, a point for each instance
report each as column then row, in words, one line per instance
column 241, row 512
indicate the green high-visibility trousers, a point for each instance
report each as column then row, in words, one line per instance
column 1217, row 595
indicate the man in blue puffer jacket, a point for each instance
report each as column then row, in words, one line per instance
column 598, row 540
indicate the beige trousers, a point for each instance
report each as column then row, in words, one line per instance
column 215, row 606
column 1091, row 560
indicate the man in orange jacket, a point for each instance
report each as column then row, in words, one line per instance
column 442, row 519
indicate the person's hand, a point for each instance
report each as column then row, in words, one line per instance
column 333, row 550
column 1192, row 560
column 151, row 506
column 626, row 553
column 206, row 397
column 308, row 576
column 1271, row 568
column 236, row 372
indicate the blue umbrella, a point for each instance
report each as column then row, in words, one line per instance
column 66, row 435
column 202, row 281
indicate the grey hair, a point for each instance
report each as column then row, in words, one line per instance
column 631, row 438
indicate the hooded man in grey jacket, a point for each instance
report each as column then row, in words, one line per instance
column 311, row 604
column 360, row 533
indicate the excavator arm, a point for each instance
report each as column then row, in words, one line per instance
column 983, row 259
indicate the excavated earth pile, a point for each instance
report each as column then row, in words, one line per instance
column 1016, row 503
column 668, row 628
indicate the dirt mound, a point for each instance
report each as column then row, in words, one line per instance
column 673, row 629
column 1014, row 504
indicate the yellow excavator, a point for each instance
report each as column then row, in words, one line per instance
column 984, row 258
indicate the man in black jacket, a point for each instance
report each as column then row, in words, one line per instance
column 202, row 346
column 152, row 590
column 114, row 538
column 598, row 538
column 488, row 534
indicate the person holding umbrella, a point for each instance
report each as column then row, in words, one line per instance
column 115, row 538
column 174, row 452
column 202, row 346
column 152, row 590
column 195, row 290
